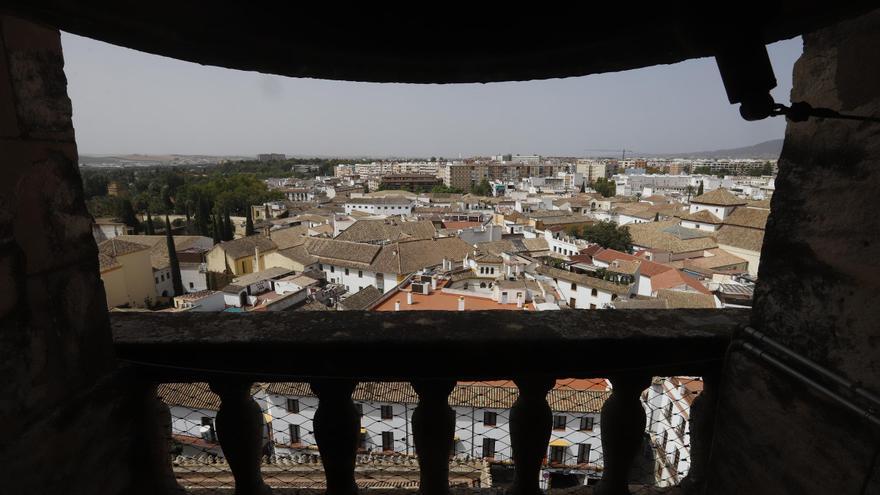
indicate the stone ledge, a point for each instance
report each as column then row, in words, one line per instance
column 287, row 346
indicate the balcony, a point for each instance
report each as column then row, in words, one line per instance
column 431, row 351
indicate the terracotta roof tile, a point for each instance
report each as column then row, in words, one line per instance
column 677, row 299
column 718, row 197
column 702, row 216
column 740, row 237
column 748, row 217
column 361, row 299
column 158, row 245
column 380, row 230
column 670, row 236
column 118, row 247
column 289, row 237
column 244, row 246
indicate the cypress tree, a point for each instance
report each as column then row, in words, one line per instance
column 203, row 218
column 700, row 189
column 249, row 223
column 125, row 212
column 188, row 220
column 228, row 229
column 176, row 280
column 150, row 229
column 217, row 235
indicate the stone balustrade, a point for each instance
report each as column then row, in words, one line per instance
column 432, row 350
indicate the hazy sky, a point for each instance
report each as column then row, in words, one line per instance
column 126, row 101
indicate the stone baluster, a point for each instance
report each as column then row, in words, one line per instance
column 154, row 442
column 337, row 427
column 434, row 429
column 702, row 422
column 623, row 428
column 530, row 423
column 240, row 432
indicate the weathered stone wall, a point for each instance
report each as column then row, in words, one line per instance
column 63, row 422
column 818, row 289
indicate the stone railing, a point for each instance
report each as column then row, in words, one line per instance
column 432, row 351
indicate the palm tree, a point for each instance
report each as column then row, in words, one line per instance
column 690, row 190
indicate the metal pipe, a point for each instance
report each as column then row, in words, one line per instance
column 843, row 382
column 868, row 414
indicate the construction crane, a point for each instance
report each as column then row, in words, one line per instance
column 623, row 152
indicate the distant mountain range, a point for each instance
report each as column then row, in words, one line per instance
column 152, row 160
column 768, row 150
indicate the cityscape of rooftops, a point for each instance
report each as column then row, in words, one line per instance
column 305, row 195
column 257, row 248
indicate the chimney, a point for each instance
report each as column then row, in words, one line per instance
column 434, row 283
column 519, row 302
column 256, row 258
column 409, row 298
column 461, row 303
column 397, row 305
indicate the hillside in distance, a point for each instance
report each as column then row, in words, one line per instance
column 767, row 150
column 152, row 160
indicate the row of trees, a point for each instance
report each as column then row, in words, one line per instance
column 203, row 199
column 171, row 189
column 205, row 222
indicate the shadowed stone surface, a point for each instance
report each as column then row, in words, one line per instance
column 426, row 344
column 819, row 280
column 59, row 400
column 476, row 44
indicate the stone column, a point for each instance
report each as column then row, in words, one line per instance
column 819, row 280
column 240, row 432
column 623, row 427
column 701, row 426
column 434, row 429
column 337, row 428
column 55, row 345
column 530, row 422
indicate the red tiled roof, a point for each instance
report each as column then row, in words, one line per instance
column 460, row 225
column 674, row 278
column 648, row 268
